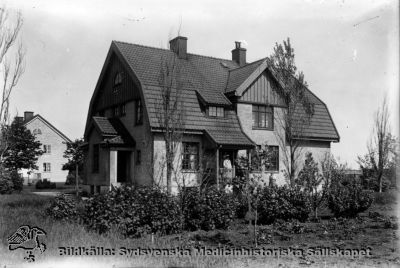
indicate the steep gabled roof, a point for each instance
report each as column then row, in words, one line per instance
column 206, row 79
column 47, row 123
column 238, row 76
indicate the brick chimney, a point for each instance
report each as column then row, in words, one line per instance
column 179, row 46
column 239, row 54
column 28, row 116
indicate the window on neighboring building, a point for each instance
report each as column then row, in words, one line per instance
column 190, row 159
column 139, row 112
column 37, row 131
column 263, row 117
column 273, row 158
column 138, row 157
column 216, row 111
column 46, row 149
column 46, row 167
column 96, row 158
column 117, row 79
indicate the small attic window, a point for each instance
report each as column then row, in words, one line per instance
column 37, row 131
column 118, row 79
column 216, row 111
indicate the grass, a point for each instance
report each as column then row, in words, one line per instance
column 366, row 231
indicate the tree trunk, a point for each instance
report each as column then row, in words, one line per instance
column 77, row 181
column 380, row 181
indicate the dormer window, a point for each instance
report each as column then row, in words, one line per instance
column 216, row 111
column 117, row 79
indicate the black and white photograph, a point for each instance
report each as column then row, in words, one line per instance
column 199, row 133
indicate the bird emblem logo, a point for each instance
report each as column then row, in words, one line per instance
column 27, row 238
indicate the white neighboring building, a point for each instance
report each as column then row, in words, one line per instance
column 53, row 144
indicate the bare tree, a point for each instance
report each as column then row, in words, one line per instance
column 170, row 113
column 12, row 65
column 295, row 117
column 381, row 146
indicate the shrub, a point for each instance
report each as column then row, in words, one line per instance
column 6, row 185
column 208, row 209
column 282, row 203
column 134, row 211
column 386, row 198
column 63, row 208
column 347, row 198
column 45, row 184
column 17, row 181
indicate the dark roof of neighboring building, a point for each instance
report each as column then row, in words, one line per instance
column 38, row 116
column 113, row 131
column 207, row 79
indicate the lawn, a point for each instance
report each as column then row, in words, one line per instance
column 374, row 228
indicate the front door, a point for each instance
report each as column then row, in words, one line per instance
column 123, row 168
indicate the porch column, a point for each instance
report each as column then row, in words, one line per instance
column 217, row 167
column 113, row 167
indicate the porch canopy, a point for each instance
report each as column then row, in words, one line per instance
column 230, row 139
column 113, row 132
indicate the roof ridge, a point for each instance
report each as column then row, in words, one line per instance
column 247, row 65
column 165, row 49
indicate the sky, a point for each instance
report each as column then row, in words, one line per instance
column 347, row 50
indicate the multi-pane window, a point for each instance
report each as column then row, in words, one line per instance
column 116, row 111
column 123, row 110
column 267, row 157
column 216, row 111
column 139, row 112
column 95, row 158
column 46, row 167
column 263, row 117
column 273, row 158
column 190, row 158
column 46, row 149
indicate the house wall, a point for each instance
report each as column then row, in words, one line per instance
column 109, row 97
column 271, row 137
column 187, row 178
column 102, row 176
column 55, row 157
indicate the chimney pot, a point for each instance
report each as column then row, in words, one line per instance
column 179, row 46
column 239, row 54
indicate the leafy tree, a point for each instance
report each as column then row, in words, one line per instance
column 314, row 184
column 12, row 66
column 23, row 149
column 382, row 147
column 295, row 117
column 74, row 154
